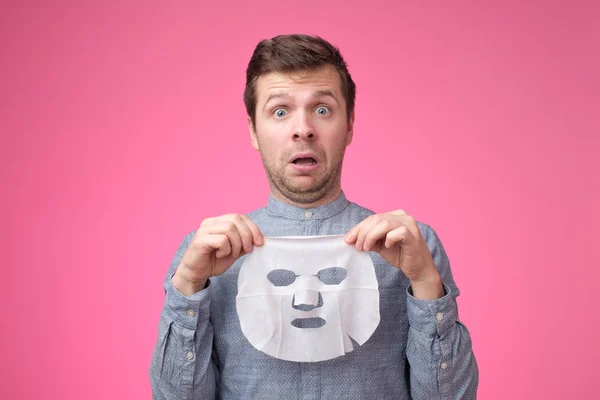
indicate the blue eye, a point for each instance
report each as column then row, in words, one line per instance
column 322, row 110
column 280, row 113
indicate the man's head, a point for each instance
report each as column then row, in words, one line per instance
column 299, row 98
column 292, row 53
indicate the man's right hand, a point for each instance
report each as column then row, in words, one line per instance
column 217, row 244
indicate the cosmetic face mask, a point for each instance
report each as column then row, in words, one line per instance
column 302, row 298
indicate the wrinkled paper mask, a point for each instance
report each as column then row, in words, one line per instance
column 303, row 298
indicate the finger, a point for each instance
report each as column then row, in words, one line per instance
column 410, row 223
column 397, row 218
column 363, row 228
column 257, row 236
column 228, row 229
column 218, row 242
column 401, row 235
column 398, row 212
column 243, row 230
column 358, row 233
column 353, row 234
column 405, row 219
column 379, row 232
column 208, row 222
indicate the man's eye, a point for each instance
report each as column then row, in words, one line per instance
column 322, row 110
column 280, row 113
column 281, row 277
column 332, row 276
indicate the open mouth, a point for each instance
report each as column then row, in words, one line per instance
column 304, row 161
column 307, row 323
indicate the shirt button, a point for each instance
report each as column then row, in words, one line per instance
column 308, row 214
column 191, row 313
column 189, row 355
column 439, row 316
column 444, row 365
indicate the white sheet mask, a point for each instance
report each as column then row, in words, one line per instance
column 301, row 298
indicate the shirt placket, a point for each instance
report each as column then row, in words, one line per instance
column 311, row 381
column 311, row 224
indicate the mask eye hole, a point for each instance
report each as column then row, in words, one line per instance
column 281, row 277
column 332, row 275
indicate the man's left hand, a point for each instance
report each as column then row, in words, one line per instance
column 396, row 236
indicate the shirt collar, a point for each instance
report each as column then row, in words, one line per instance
column 291, row 211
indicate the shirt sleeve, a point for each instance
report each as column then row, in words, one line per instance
column 182, row 366
column 439, row 350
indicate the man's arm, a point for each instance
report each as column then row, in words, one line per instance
column 439, row 351
column 182, row 366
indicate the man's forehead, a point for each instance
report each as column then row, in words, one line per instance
column 314, row 82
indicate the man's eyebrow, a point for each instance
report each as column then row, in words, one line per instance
column 277, row 96
column 318, row 93
column 324, row 93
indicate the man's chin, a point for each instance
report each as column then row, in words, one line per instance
column 308, row 187
column 302, row 189
column 303, row 184
column 304, row 194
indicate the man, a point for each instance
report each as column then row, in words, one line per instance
column 299, row 98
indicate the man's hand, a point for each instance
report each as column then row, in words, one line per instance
column 396, row 236
column 217, row 244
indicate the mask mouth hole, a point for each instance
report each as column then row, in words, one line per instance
column 308, row 323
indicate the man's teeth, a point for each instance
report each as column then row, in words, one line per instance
column 305, row 161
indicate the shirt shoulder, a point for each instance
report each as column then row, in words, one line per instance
column 257, row 213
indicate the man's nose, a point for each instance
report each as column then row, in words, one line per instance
column 306, row 300
column 303, row 126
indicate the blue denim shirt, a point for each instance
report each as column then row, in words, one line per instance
column 420, row 350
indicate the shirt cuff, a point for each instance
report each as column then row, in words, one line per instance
column 434, row 317
column 185, row 310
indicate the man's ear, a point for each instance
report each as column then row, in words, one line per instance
column 350, row 129
column 253, row 137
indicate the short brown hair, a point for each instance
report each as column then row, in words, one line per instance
column 287, row 53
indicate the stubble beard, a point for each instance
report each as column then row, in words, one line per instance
column 324, row 184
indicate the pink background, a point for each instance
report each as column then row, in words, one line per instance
column 122, row 127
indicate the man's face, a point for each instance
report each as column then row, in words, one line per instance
column 302, row 131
